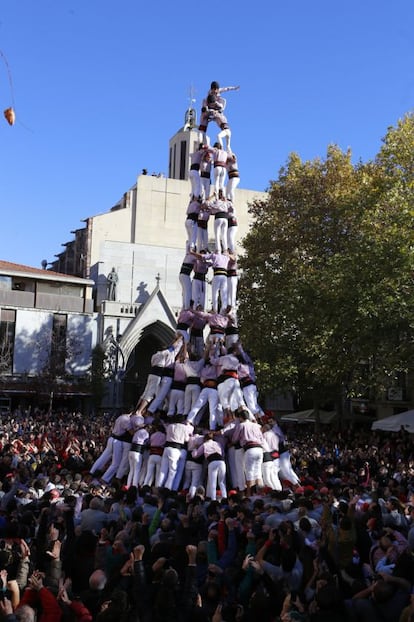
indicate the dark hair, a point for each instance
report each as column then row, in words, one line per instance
column 329, row 597
column 287, row 559
column 305, row 524
column 383, row 591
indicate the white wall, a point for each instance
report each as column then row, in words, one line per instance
column 32, row 341
column 79, row 344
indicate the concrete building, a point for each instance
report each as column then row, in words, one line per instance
column 47, row 331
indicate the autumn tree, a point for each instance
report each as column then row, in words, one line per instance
column 327, row 272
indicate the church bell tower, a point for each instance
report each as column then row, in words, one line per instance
column 184, row 142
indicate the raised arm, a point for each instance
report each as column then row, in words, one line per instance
column 224, row 89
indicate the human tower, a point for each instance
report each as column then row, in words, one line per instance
column 198, row 420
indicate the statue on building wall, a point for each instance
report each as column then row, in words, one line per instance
column 112, row 280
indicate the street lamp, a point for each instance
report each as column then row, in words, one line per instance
column 118, row 371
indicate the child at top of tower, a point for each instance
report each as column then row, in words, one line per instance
column 212, row 110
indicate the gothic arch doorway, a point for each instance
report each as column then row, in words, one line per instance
column 154, row 337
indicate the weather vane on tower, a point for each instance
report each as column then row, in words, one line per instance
column 190, row 120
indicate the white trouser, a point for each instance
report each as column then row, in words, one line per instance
column 136, row 460
column 191, row 228
column 143, row 470
column 153, row 469
column 250, row 394
column 228, row 390
column 286, row 471
column 220, row 234
column 209, row 396
column 240, row 482
column 253, row 459
column 163, row 390
column 191, row 395
column 224, row 134
column 237, row 400
column 231, row 237
column 175, row 402
column 205, row 184
column 119, row 462
column 202, row 238
column 169, row 467
column 123, row 467
column 195, row 181
column 101, row 462
column 198, row 293
column 231, row 186
column 232, row 282
column 180, row 469
column 231, row 463
column 276, row 469
column 216, row 476
column 231, row 340
column 219, row 286
column 186, row 287
column 192, row 477
column 270, row 475
column 153, row 382
column 219, row 177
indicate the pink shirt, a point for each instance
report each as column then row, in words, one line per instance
column 180, row 372
column 227, row 362
column 178, row 433
column 219, row 156
column 271, row 441
column 140, row 437
column 166, row 358
column 185, row 317
column 122, row 424
column 214, row 319
column 193, row 368
column 157, row 439
column 244, row 371
column 208, row 448
column 214, row 206
column 198, row 322
column 196, row 156
column 217, row 260
column 200, row 266
column 205, row 164
column 248, row 432
column 193, row 207
column 209, row 372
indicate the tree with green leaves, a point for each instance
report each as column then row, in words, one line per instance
column 327, row 273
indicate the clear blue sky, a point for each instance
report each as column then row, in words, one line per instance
column 100, row 86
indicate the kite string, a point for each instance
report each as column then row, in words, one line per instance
column 9, row 77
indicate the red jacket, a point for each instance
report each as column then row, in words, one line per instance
column 50, row 609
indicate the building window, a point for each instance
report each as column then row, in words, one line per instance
column 183, row 159
column 19, row 286
column 7, row 333
column 58, row 345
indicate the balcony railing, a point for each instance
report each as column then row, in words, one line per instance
column 54, row 302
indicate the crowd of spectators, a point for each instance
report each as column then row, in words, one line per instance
column 337, row 546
